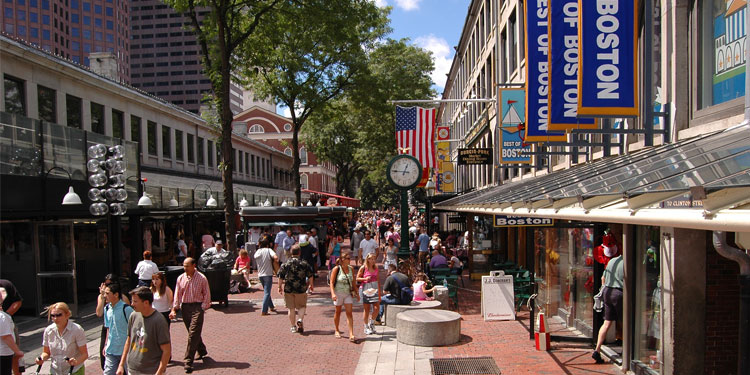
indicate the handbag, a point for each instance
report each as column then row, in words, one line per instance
column 370, row 298
column 599, row 300
column 346, row 274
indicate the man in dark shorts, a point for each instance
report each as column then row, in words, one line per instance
column 612, row 295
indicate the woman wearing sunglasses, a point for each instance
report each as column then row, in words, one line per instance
column 343, row 292
column 64, row 342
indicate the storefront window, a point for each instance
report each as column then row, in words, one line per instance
column 564, row 264
column 721, row 51
column 647, row 298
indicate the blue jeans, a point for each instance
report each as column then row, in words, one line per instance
column 267, row 282
column 111, row 362
column 387, row 299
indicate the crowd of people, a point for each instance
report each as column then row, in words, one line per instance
column 136, row 323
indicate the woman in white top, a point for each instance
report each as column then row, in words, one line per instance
column 163, row 295
column 64, row 342
column 435, row 242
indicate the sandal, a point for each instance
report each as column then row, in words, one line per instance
column 337, row 334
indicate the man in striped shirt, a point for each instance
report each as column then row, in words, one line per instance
column 193, row 296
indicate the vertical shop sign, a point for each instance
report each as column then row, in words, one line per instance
column 513, row 118
column 563, row 63
column 537, row 74
column 607, row 58
column 445, row 165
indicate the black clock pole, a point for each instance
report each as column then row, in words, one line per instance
column 403, row 251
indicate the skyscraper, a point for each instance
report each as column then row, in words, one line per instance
column 72, row 28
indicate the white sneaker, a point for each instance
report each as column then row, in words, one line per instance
column 371, row 324
column 293, row 329
column 368, row 331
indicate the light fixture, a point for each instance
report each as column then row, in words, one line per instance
column 284, row 203
column 267, row 203
column 309, row 204
column 430, row 188
column 211, row 202
column 173, row 203
column 243, row 202
column 145, row 200
column 71, row 198
column 318, row 204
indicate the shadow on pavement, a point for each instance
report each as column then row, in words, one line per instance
column 210, row 363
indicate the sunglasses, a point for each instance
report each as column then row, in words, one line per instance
column 55, row 315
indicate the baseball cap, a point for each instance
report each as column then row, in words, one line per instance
column 218, row 242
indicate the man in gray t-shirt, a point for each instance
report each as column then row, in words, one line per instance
column 147, row 348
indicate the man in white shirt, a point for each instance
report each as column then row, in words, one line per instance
column 367, row 246
column 145, row 269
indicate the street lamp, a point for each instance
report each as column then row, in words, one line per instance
column 210, row 202
column 284, row 203
column 260, row 201
column 243, row 202
column 430, row 189
column 144, row 201
column 71, row 198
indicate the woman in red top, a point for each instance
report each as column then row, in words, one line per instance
column 371, row 291
column 243, row 265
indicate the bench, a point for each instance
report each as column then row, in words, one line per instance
column 392, row 311
column 428, row 327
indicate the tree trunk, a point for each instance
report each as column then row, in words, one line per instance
column 227, row 150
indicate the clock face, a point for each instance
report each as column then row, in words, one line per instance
column 405, row 171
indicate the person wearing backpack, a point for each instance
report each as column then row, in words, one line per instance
column 397, row 289
column 116, row 315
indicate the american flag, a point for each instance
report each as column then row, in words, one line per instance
column 415, row 131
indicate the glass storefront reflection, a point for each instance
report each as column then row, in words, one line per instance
column 647, row 298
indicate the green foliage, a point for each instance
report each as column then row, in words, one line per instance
column 356, row 131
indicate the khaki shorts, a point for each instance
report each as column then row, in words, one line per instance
column 295, row 300
column 343, row 298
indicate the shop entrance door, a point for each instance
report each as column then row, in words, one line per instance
column 56, row 265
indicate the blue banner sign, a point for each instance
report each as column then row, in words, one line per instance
column 537, row 74
column 607, row 58
column 513, row 116
column 563, row 63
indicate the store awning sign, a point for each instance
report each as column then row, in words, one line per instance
column 475, row 156
column 563, row 67
column 607, row 58
column 503, row 221
column 513, row 115
column 537, row 74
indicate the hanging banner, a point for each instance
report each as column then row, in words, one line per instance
column 607, row 58
column 445, row 166
column 563, row 67
column 513, row 115
column 475, row 156
column 537, row 74
column 443, row 133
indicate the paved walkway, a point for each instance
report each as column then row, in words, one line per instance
column 241, row 341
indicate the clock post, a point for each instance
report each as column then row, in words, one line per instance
column 404, row 172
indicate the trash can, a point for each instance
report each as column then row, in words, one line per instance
column 172, row 273
column 218, row 282
column 217, row 266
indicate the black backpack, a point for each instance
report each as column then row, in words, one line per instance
column 405, row 294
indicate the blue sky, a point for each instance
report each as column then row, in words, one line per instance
column 434, row 25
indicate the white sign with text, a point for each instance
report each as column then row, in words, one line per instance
column 497, row 297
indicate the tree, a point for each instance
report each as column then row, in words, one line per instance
column 314, row 50
column 222, row 27
column 356, row 132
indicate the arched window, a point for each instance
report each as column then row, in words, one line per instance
column 303, row 155
column 303, row 181
column 256, row 129
column 288, row 151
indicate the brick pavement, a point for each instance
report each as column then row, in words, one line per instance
column 240, row 340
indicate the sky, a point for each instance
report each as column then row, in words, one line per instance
column 434, row 25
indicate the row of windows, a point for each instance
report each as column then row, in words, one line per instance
column 190, row 146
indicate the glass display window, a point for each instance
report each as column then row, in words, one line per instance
column 648, row 299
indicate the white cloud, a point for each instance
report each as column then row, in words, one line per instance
column 441, row 55
column 408, row 5
column 381, row 3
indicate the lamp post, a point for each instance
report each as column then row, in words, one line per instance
column 430, row 189
column 210, row 202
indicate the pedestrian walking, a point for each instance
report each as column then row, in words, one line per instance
column 193, row 297
column 10, row 306
column 9, row 351
column 295, row 279
column 145, row 269
column 116, row 315
column 163, row 297
column 368, row 246
column 63, row 343
column 101, row 302
column 266, row 260
column 371, row 292
column 147, row 345
column 279, row 244
column 612, row 281
column 343, row 292
column 391, row 253
column 356, row 238
column 334, row 251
